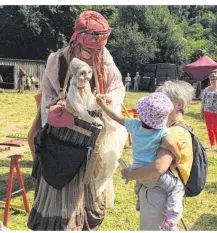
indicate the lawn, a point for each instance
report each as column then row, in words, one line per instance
column 16, row 115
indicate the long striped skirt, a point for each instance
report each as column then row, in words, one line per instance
column 74, row 207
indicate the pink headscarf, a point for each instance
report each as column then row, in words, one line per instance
column 91, row 30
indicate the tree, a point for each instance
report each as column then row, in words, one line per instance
column 129, row 46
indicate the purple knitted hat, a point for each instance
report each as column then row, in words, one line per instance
column 154, row 109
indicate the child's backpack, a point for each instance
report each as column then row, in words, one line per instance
column 198, row 175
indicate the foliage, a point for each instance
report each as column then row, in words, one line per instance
column 140, row 47
column 171, row 34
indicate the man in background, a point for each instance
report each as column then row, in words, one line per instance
column 127, row 82
column 136, row 81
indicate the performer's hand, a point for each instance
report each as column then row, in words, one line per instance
column 31, row 136
column 108, row 99
column 100, row 99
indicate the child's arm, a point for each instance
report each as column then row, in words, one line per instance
column 171, row 145
column 101, row 102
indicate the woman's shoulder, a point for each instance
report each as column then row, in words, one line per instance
column 180, row 133
column 207, row 89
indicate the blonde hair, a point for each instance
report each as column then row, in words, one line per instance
column 213, row 75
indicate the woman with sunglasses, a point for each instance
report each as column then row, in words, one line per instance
column 209, row 111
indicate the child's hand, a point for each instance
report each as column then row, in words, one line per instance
column 125, row 174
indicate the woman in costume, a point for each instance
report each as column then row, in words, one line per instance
column 77, row 206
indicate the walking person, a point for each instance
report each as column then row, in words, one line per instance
column 127, row 82
column 136, row 81
column 32, row 83
column 28, row 83
column 21, row 81
column 209, row 111
column 1, row 79
column 21, row 84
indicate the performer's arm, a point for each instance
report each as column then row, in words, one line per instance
column 36, row 125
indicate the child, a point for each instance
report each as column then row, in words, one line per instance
column 147, row 135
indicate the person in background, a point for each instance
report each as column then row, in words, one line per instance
column 21, row 84
column 136, row 81
column 198, row 90
column 32, row 83
column 28, row 83
column 209, row 111
column 127, row 82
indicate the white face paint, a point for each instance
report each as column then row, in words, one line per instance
column 83, row 76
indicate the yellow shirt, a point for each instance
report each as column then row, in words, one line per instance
column 184, row 141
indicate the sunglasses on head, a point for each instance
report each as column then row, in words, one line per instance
column 98, row 33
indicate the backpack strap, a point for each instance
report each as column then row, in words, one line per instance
column 63, row 67
column 63, row 73
column 63, row 76
column 183, row 125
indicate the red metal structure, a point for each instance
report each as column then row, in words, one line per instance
column 14, row 155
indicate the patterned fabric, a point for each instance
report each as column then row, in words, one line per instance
column 154, row 109
column 91, row 30
column 74, row 207
column 209, row 100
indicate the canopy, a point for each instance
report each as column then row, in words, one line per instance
column 201, row 68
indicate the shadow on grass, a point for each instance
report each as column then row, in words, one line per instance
column 211, row 187
column 206, row 222
column 29, row 183
column 23, row 163
column 194, row 102
column 194, row 115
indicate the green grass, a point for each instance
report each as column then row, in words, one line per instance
column 16, row 115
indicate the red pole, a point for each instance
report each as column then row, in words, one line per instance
column 20, row 179
column 9, row 191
